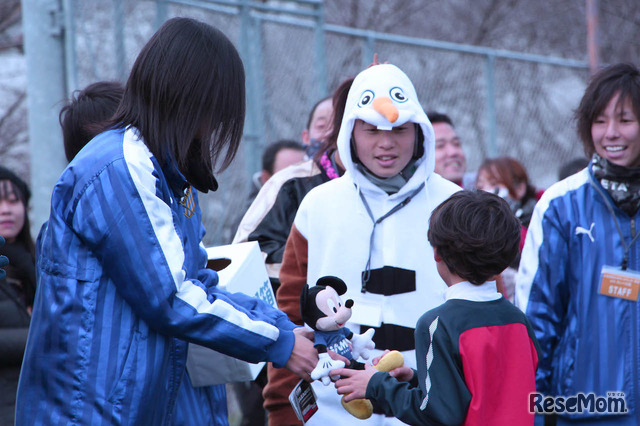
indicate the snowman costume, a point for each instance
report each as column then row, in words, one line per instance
column 389, row 269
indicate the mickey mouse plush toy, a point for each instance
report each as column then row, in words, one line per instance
column 322, row 310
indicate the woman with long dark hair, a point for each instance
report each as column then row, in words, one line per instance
column 121, row 265
column 17, row 288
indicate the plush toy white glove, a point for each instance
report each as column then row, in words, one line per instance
column 324, row 365
column 362, row 344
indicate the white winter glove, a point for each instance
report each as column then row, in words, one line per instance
column 362, row 344
column 324, row 365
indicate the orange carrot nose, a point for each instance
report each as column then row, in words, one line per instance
column 386, row 107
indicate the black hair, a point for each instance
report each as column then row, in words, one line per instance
column 271, row 152
column 86, row 114
column 313, row 110
column 476, row 234
column 623, row 78
column 20, row 189
column 339, row 102
column 438, row 117
column 418, row 143
column 186, row 97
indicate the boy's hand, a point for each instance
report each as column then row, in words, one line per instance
column 401, row 374
column 377, row 359
column 353, row 383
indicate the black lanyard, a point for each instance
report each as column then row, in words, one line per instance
column 367, row 270
column 607, row 202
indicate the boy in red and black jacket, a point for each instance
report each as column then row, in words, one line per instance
column 476, row 353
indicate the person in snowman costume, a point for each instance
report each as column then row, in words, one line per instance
column 368, row 227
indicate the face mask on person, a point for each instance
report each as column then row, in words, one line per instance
column 313, row 147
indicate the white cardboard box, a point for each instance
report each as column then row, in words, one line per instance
column 243, row 271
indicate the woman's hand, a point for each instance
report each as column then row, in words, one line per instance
column 339, row 357
column 304, row 356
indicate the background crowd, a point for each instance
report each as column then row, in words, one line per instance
column 351, row 197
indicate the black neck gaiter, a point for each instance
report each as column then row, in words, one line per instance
column 622, row 183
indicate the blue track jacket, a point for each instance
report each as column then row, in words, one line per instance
column 121, row 285
column 589, row 342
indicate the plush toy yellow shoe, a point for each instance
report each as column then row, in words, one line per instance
column 362, row 408
column 358, row 408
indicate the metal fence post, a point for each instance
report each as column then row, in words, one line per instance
column 118, row 30
column 368, row 50
column 46, row 87
column 258, row 96
column 252, row 139
column 320, row 52
column 492, row 148
column 593, row 40
column 71, row 70
column 161, row 13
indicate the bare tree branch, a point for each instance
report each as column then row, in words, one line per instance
column 10, row 17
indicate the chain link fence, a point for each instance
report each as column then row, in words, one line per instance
column 503, row 103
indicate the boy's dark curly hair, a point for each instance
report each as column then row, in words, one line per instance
column 476, row 234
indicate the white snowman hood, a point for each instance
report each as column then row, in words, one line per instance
column 383, row 95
